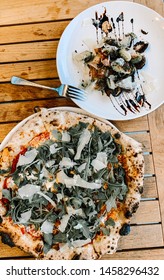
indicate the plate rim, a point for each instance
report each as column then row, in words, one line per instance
column 68, row 27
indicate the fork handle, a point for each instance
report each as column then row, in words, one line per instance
column 19, row 81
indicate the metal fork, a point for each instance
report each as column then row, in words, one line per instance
column 64, row 90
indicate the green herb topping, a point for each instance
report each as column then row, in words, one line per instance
column 62, row 186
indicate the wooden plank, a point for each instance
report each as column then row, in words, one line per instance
column 148, row 212
column 29, row 70
column 156, row 5
column 150, row 188
column 143, row 138
column 20, row 110
column 139, row 124
column 15, row 12
column 156, row 120
column 7, row 251
column 5, row 129
column 145, row 236
column 9, row 92
column 149, row 168
column 147, row 254
column 28, row 51
column 32, row 32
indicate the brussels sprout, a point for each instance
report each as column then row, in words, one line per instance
column 125, row 54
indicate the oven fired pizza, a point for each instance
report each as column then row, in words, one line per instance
column 69, row 185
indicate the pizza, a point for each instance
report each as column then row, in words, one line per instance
column 69, row 184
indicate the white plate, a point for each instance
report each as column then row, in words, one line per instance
column 81, row 30
column 69, row 109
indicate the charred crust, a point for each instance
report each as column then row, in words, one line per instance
column 128, row 214
column 54, row 123
column 117, row 135
column 140, row 189
column 135, row 207
column 1, row 220
column 76, row 257
column 38, row 248
column 6, row 239
column 125, row 230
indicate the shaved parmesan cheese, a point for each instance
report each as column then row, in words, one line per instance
column 110, row 203
column 72, row 211
column 64, row 222
column 47, row 198
column 102, row 156
column 78, row 226
column 44, row 173
column 25, row 217
column 62, row 178
column 76, row 181
column 54, row 149
column 47, row 227
column 27, row 158
column 67, row 162
column 100, row 161
column 50, row 163
column 59, row 196
column 66, row 137
column 49, row 185
column 87, row 185
column 81, row 167
column 28, row 190
column 97, row 164
column 83, row 140
column 80, row 243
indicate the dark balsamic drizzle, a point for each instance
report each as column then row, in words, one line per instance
column 98, row 23
column 119, row 19
column 132, row 22
column 114, row 28
column 121, row 106
column 144, row 32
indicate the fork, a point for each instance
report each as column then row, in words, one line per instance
column 63, row 90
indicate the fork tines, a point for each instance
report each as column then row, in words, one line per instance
column 76, row 93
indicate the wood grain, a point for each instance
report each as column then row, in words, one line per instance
column 20, row 110
column 140, row 124
column 156, row 120
column 156, row 5
column 32, row 32
column 147, row 254
column 28, row 70
column 18, row 12
column 29, row 51
column 29, row 36
column 150, row 188
column 148, row 212
column 145, row 236
column 9, row 92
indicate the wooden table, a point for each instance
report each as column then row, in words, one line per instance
column 29, row 34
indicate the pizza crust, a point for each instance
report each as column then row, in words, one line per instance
column 132, row 161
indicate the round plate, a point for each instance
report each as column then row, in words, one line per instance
column 69, row 109
column 81, row 30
